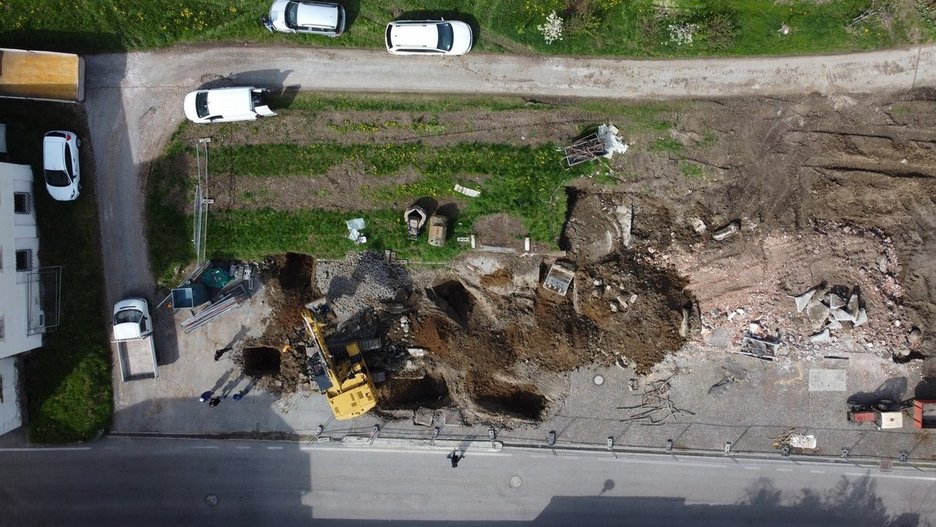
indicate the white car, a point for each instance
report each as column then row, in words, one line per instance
column 220, row 105
column 60, row 165
column 304, row 16
column 132, row 319
column 428, row 37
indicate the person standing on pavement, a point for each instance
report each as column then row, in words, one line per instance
column 215, row 401
column 205, row 397
column 455, row 459
column 219, row 353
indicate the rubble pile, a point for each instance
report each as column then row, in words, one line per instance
column 828, row 310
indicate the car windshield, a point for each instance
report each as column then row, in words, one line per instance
column 124, row 316
column 445, row 37
column 201, row 104
column 57, row 178
column 292, row 10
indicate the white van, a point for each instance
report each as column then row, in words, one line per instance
column 221, row 105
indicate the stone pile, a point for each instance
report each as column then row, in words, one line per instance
column 359, row 281
column 828, row 310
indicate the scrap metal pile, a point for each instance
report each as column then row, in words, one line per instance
column 656, row 407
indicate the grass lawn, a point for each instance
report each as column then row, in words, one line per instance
column 68, row 380
column 638, row 28
column 520, row 180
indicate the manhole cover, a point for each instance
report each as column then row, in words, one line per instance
column 211, row 500
column 599, row 380
column 515, row 482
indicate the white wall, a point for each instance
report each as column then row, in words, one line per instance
column 10, row 416
column 17, row 231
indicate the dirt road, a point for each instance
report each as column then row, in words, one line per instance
column 134, row 101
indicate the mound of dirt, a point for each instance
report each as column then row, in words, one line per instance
column 494, row 349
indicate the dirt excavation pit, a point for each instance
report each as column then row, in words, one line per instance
column 522, row 401
column 503, row 355
column 261, row 361
column 430, row 391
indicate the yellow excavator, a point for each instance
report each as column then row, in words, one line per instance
column 344, row 381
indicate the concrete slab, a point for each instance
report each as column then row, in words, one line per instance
column 825, row 380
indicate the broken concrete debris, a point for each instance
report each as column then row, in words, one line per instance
column 355, row 226
column 823, row 336
column 828, row 310
column 793, row 439
column 760, row 342
column 559, row 278
column 470, row 192
column 602, row 143
column 727, row 231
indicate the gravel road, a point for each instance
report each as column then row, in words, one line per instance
column 134, row 101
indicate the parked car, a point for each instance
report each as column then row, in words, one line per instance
column 304, row 16
column 60, row 165
column 428, row 37
column 133, row 333
column 219, row 105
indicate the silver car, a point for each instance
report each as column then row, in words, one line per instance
column 304, row 16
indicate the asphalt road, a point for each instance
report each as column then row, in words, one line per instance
column 134, row 101
column 122, row 481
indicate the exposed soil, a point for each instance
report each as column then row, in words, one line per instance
column 836, row 191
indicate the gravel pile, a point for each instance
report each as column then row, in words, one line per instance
column 359, row 281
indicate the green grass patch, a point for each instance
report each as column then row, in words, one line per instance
column 518, row 180
column 254, row 234
column 170, row 187
column 640, row 28
column 525, row 182
column 317, row 102
column 68, row 380
column 666, row 144
column 692, row 170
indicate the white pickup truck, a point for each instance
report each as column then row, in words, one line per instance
column 133, row 332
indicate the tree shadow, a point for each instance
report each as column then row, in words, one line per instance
column 352, row 12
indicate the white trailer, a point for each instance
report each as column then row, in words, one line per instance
column 133, row 333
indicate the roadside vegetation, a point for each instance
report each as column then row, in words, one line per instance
column 276, row 191
column 67, row 382
column 638, row 28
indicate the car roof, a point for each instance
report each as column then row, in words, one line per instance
column 317, row 15
column 415, row 35
column 229, row 101
column 53, row 152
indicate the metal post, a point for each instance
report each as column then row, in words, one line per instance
column 492, row 434
column 551, row 438
column 669, row 445
column 727, row 448
column 610, row 442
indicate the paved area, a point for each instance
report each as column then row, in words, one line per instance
column 120, row 481
column 134, row 105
